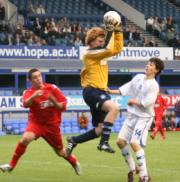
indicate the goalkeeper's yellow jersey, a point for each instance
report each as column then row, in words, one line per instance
column 95, row 68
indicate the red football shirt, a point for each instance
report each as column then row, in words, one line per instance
column 160, row 105
column 42, row 110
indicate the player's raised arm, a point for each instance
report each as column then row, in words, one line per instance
column 114, row 46
column 58, row 99
column 28, row 99
column 105, row 43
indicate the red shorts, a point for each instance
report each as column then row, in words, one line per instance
column 51, row 134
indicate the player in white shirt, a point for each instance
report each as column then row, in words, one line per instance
column 143, row 90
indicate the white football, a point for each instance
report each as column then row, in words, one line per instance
column 111, row 19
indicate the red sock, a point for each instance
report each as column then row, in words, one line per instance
column 71, row 159
column 19, row 151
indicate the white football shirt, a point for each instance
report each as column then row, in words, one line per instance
column 145, row 91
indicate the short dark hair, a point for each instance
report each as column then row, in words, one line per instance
column 31, row 71
column 158, row 63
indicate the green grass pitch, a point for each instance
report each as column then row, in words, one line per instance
column 40, row 164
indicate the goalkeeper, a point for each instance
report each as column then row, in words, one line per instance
column 102, row 44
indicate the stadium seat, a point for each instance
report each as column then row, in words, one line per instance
column 75, row 129
column 67, row 130
column 16, row 131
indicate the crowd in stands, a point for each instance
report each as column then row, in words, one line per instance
column 40, row 10
column 165, row 29
column 134, row 38
column 42, row 31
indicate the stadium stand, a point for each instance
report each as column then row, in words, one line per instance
column 66, row 23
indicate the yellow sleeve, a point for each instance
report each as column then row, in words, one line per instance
column 114, row 46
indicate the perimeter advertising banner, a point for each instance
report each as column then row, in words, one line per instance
column 73, row 102
column 66, row 53
column 141, row 53
column 37, row 52
column 172, row 99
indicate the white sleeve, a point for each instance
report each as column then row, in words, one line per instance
column 150, row 96
column 125, row 89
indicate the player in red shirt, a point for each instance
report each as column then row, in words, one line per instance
column 45, row 103
column 159, row 108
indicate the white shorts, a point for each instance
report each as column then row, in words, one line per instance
column 135, row 129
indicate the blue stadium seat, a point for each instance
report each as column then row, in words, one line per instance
column 15, row 125
column 16, row 131
column 75, row 129
column 67, row 130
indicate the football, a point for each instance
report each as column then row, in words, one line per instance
column 111, row 19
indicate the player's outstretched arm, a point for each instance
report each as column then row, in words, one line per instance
column 59, row 105
column 116, row 92
column 30, row 99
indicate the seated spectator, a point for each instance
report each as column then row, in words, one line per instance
column 170, row 36
column 149, row 24
column 3, row 26
column 78, row 41
column 37, row 27
column 30, row 8
column 153, row 42
column 145, row 42
column 18, row 39
column 137, row 38
column 170, row 23
column 83, row 120
column 166, row 122
column 19, row 29
column 40, row 10
column 156, row 26
column 2, row 12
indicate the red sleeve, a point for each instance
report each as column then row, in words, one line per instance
column 57, row 93
column 26, row 95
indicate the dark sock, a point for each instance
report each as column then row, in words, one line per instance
column 107, row 127
column 89, row 135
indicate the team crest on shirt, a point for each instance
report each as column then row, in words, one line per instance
column 103, row 96
column 45, row 104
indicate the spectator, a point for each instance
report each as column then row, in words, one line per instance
column 145, row 42
column 156, row 26
column 83, row 120
column 17, row 40
column 149, row 23
column 30, row 8
column 170, row 36
column 2, row 12
column 37, row 27
column 167, row 121
column 40, row 10
column 78, row 41
column 153, row 42
column 170, row 23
